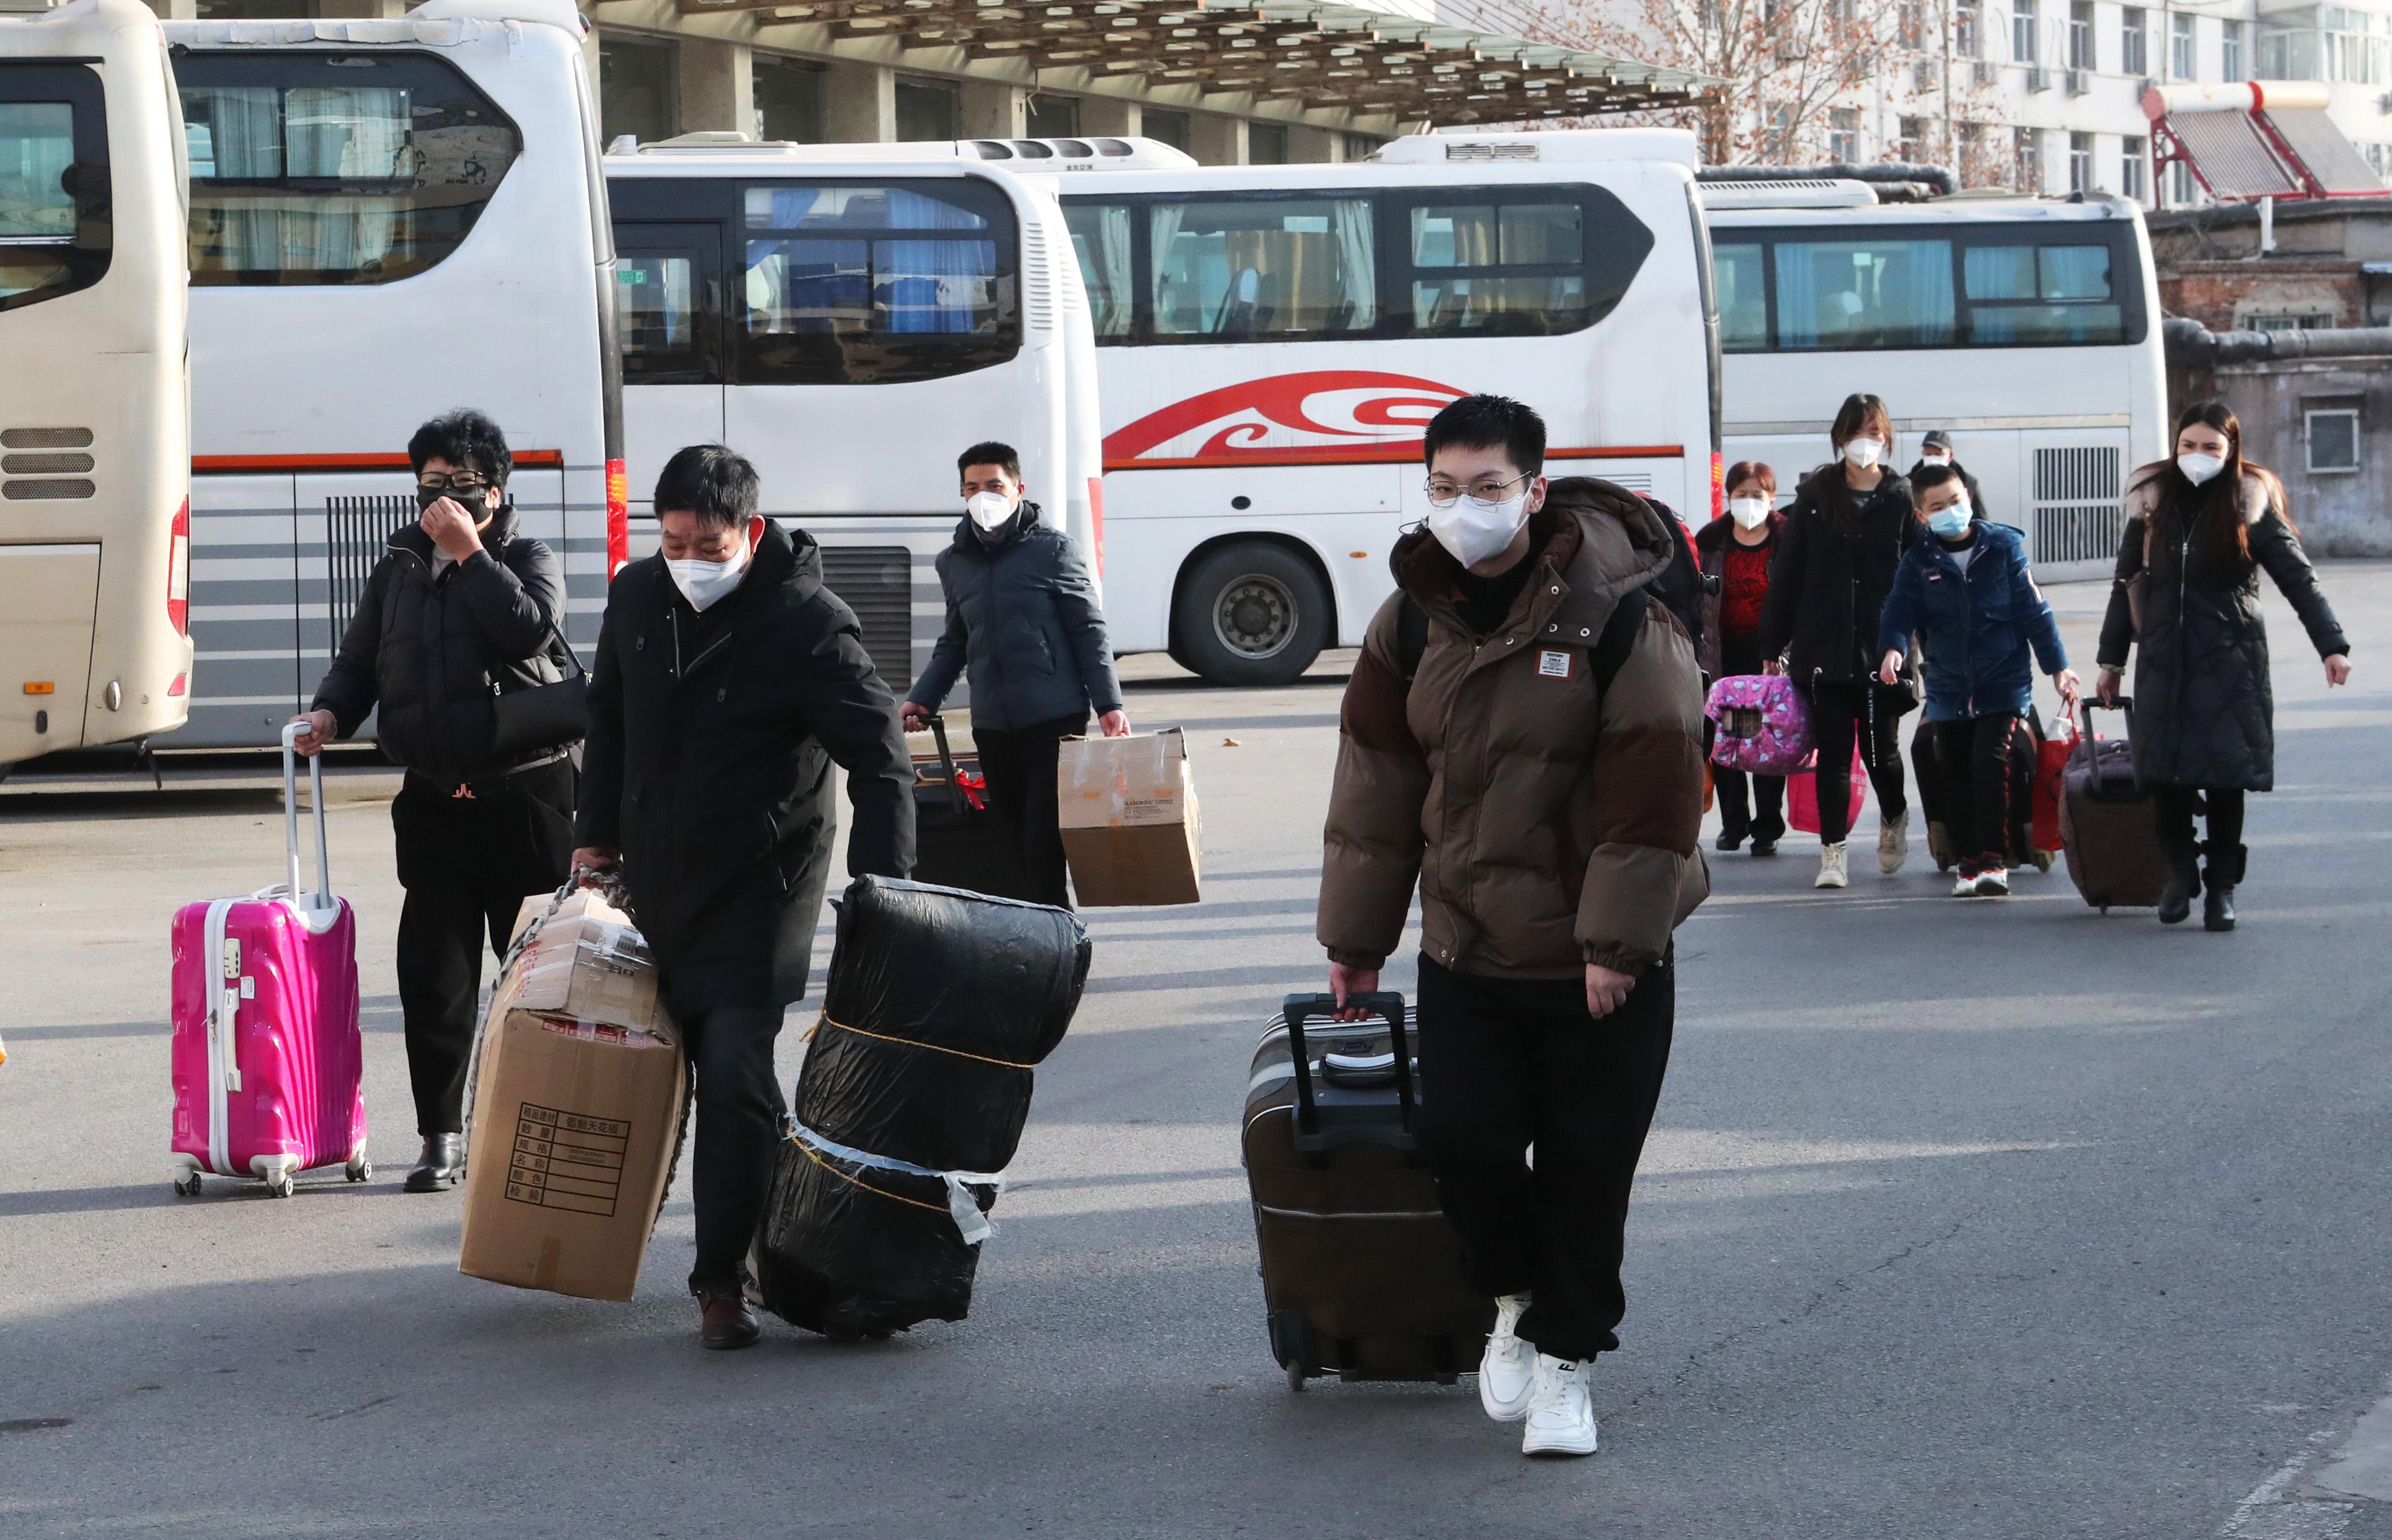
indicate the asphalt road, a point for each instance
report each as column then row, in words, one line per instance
column 1960, row 1218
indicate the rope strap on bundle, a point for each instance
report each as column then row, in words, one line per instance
column 824, row 1020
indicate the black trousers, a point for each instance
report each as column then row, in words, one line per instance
column 1511, row 1064
column 1841, row 714
column 467, row 863
column 2175, row 806
column 1020, row 764
column 1973, row 753
column 739, row 1113
column 1748, row 804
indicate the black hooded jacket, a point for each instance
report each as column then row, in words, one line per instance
column 708, row 765
column 1826, row 588
column 435, row 654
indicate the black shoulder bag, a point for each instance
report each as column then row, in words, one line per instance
column 546, row 716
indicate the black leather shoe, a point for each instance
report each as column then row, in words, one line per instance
column 2217, row 908
column 1764, row 846
column 726, row 1321
column 2226, row 865
column 2183, row 882
column 1727, row 841
column 442, row 1164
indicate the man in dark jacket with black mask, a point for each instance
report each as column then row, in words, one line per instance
column 729, row 680
column 1023, row 617
column 462, row 611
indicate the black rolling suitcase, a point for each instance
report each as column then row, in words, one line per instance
column 1926, row 776
column 1361, row 1273
column 959, row 842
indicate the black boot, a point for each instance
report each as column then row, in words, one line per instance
column 2183, row 858
column 442, row 1164
column 2226, row 863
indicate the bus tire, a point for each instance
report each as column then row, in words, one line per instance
column 1252, row 613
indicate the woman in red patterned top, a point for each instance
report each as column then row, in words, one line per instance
column 1736, row 549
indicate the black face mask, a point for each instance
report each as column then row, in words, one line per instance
column 476, row 502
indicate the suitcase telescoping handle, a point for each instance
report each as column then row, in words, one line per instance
column 1386, row 1005
column 2088, row 703
column 947, row 763
column 322, row 897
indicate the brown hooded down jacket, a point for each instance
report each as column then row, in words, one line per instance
column 1547, row 829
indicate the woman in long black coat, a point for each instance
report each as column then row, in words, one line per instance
column 2199, row 529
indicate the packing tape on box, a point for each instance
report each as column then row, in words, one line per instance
column 972, row 1224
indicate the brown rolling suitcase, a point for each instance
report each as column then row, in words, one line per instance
column 2109, row 824
column 1361, row 1273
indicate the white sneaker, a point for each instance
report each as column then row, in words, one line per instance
column 1963, row 884
column 1831, row 867
column 1507, row 1372
column 1993, row 882
column 1561, row 1409
column 1892, row 844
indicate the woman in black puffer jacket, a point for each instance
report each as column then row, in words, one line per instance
column 2199, row 529
column 1845, row 534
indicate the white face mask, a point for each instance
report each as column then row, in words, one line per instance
column 989, row 510
column 705, row 583
column 2199, row 468
column 1934, row 457
column 1748, row 513
column 1474, row 529
column 1863, row 452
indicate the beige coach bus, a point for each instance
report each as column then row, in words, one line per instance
column 94, row 452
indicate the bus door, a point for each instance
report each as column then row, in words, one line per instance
column 668, row 305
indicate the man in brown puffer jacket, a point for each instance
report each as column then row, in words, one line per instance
column 1536, row 765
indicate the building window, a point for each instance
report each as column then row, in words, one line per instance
column 2134, row 155
column 2133, row 27
column 2379, row 156
column 2332, row 435
column 1780, row 138
column 1164, row 127
column 1265, row 144
column 2080, row 35
column 2230, row 51
column 1045, row 117
column 1964, row 29
column 2284, row 320
column 2182, row 65
column 636, row 95
column 1360, row 146
column 788, row 99
column 2028, row 162
column 2181, row 189
column 2080, row 162
column 1912, row 146
column 1844, row 135
column 1911, row 19
column 2023, row 30
column 929, row 109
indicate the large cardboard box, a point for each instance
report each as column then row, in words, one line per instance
column 1131, row 830
column 578, row 1106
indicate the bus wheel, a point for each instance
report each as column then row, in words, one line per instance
column 1250, row 614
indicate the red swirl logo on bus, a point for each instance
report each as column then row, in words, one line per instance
column 1326, row 417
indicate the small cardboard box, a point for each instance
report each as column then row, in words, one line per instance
column 578, row 1107
column 1131, row 830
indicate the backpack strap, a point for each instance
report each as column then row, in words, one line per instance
column 1619, row 638
column 1411, row 636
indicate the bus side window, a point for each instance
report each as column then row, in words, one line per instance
column 1100, row 237
column 2037, row 294
column 1864, row 292
column 1521, row 262
column 1743, row 300
column 313, row 168
column 1232, row 268
column 54, row 235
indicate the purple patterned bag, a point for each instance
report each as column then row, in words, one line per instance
column 1765, row 724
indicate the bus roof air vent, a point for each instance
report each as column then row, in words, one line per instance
column 1513, row 151
column 1820, row 192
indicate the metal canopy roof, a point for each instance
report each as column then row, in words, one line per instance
column 1303, row 52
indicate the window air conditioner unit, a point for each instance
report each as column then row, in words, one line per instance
column 2080, row 82
column 1988, row 72
column 2038, row 78
column 1922, row 75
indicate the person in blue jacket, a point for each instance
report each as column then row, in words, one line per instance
column 1967, row 594
column 1023, row 622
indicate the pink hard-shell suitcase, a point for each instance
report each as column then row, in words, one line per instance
column 268, row 1061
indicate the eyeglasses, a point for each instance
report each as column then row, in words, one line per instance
column 433, row 480
column 1445, row 494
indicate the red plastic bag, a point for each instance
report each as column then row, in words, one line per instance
column 1803, row 795
column 2050, row 766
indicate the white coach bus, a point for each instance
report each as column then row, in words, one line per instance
column 2027, row 329
column 389, row 219
column 94, row 468
column 1272, row 340
column 849, row 317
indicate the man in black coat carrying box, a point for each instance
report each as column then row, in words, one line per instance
column 728, row 682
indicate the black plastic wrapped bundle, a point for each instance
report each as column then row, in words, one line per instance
column 940, row 1003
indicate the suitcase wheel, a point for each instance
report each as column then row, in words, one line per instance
column 187, row 1186
column 361, row 1169
column 1295, row 1375
column 279, row 1185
